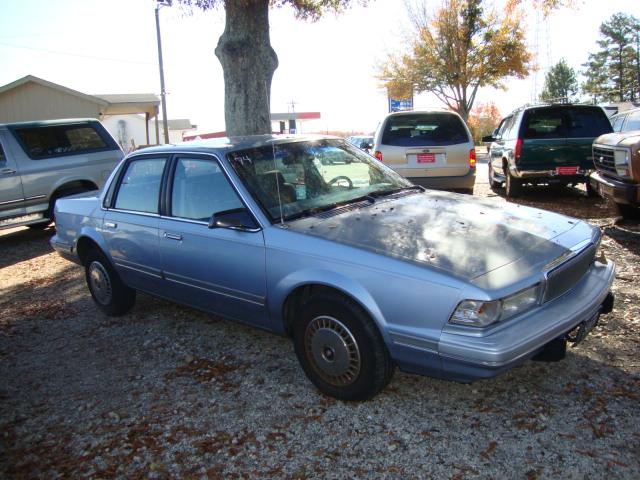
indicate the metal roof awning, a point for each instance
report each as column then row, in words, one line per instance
column 130, row 103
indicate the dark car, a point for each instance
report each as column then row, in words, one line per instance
column 545, row 144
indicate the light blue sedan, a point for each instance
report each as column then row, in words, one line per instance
column 364, row 270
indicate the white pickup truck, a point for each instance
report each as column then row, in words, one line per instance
column 43, row 161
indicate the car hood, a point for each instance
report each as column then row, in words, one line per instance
column 620, row 139
column 460, row 234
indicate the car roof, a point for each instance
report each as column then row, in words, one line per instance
column 44, row 123
column 227, row 144
column 626, row 112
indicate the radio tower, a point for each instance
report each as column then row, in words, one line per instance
column 542, row 67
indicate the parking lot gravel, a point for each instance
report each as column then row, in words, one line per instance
column 170, row 392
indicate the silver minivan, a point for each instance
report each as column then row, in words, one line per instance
column 432, row 148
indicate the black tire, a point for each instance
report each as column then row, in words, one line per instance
column 112, row 296
column 493, row 184
column 591, row 192
column 554, row 351
column 628, row 212
column 512, row 185
column 340, row 348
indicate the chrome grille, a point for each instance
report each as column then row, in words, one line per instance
column 603, row 159
column 562, row 278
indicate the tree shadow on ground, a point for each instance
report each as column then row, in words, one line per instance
column 22, row 244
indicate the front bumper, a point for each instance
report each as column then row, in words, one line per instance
column 617, row 190
column 471, row 355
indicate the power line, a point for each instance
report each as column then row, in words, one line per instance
column 56, row 52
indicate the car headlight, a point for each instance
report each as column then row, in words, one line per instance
column 478, row 313
column 621, row 160
column 519, row 302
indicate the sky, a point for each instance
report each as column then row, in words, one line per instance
column 109, row 46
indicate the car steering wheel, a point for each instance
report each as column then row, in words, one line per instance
column 339, row 178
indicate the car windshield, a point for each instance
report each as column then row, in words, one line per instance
column 292, row 180
column 424, row 129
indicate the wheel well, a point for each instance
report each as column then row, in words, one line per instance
column 84, row 245
column 301, row 294
column 73, row 187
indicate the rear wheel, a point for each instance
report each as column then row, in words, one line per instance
column 512, row 185
column 111, row 295
column 340, row 348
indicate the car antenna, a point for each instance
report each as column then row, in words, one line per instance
column 275, row 172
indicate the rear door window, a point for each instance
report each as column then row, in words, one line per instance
column 587, row 122
column 565, row 122
column 139, row 189
column 544, row 123
column 424, row 129
column 57, row 140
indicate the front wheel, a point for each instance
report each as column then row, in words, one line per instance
column 340, row 348
column 628, row 212
column 591, row 192
column 111, row 295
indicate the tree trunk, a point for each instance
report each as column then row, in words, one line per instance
column 248, row 63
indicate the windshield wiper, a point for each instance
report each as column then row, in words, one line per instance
column 325, row 208
column 384, row 193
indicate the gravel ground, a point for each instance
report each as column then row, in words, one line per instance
column 169, row 392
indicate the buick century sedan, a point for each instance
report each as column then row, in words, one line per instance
column 362, row 269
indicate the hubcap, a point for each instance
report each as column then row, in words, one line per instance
column 332, row 350
column 100, row 283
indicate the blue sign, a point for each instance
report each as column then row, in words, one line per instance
column 396, row 105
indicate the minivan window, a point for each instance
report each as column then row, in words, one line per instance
column 565, row 122
column 424, row 129
column 55, row 140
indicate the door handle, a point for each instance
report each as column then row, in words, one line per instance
column 7, row 171
column 172, row 236
column 110, row 224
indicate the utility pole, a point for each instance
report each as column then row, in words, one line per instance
column 163, row 93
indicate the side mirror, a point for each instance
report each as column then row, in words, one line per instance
column 488, row 139
column 236, row 219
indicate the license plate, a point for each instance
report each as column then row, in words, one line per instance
column 566, row 170
column 426, row 158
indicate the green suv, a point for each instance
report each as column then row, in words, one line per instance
column 545, row 144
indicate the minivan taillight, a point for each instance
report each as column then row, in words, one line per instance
column 472, row 158
column 518, row 151
column 378, row 155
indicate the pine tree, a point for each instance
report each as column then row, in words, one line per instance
column 613, row 73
